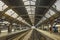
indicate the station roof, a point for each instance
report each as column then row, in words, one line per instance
column 31, row 11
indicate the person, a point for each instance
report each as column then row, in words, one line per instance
column 55, row 29
column 50, row 29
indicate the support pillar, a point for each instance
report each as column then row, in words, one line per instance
column 9, row 29
column 0, row 30
column 51, row 23
column 48, row 26
column 42, row 27
column 20, row 26
column 14, row 28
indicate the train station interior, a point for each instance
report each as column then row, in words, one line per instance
column 29, row 19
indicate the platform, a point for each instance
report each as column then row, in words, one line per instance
column 51, row 35
column 7, row 34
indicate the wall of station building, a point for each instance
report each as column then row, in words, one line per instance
column 58, row 25
column 47, row 27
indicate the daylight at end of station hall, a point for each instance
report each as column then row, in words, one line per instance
column 29, row 19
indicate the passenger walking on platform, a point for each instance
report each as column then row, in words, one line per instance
column 50, row 29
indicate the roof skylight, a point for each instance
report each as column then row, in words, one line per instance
column 58, row 5
column 11, row 13
column 32, row 3
column 20, row 19
column 2, row 6
column 24, row 0
column 15, row 15
column 30, row 9
column 27, row 3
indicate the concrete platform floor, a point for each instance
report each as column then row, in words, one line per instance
column 51, row 35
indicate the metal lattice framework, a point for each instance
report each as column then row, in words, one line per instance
column 31, row 11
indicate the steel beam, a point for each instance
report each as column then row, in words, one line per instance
column 30, row 5
column 55, row 10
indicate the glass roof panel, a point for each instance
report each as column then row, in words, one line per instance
column 9, row 12
column 27, row 3
column 33, row 12
column 14, row 15
column 33, row 7
column 6, row 22
column 43, row 18
column 1, row 3
column 32, row 3
column 28, row 9
column 2, row 6
column 24, row 0
column 52, row 12
column 23, row 21
column 19, row 18
column 47, row 15
column 58, row 5
column 33, row 0
column 29, row 0
column 29, row 12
